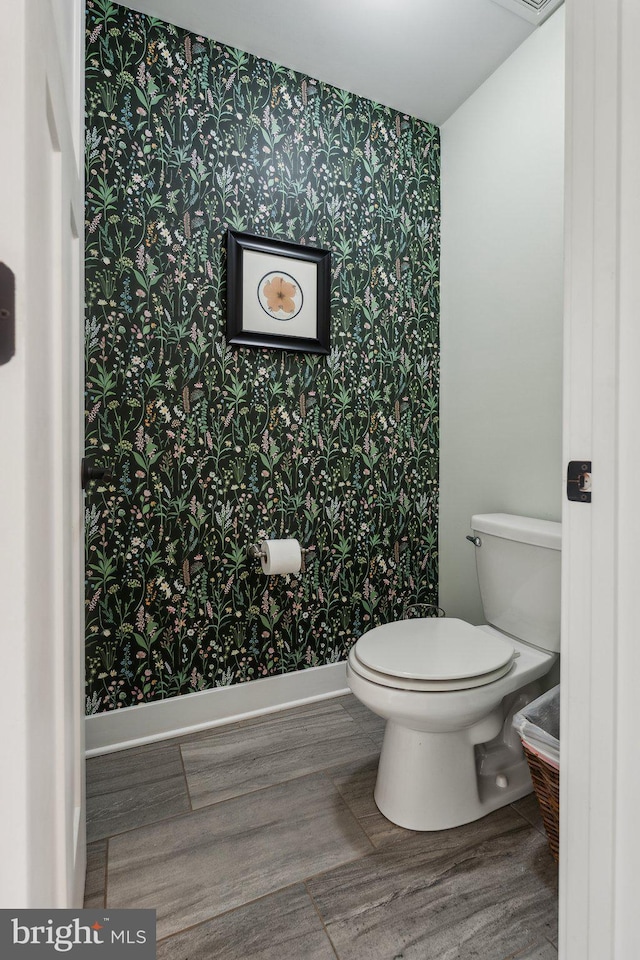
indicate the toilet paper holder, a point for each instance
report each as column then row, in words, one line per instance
column 255, row 553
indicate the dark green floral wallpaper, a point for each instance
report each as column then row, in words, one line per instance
column 213, row 448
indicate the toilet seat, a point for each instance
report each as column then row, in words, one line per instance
column 431, row 654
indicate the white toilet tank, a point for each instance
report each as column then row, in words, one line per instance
column 518, row 566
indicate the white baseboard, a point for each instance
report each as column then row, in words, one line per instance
column 132, row 726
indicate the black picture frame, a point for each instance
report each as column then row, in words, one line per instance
column 278, row 294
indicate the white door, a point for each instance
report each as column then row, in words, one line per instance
column 600, row 751
column 41, row 626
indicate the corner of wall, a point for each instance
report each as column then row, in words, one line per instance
column 502, row 304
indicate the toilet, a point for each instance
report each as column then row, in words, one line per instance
column 448, row 690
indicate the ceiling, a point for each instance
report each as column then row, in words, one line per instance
column 421, row 57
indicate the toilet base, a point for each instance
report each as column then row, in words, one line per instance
column 435, row 781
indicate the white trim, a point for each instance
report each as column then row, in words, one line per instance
column 132, row 726
column 627, row 789
column 589, row 306
column 599, row 833
column 43, row 859
column 16, row 710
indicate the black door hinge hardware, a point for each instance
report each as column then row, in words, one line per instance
column 91, row 472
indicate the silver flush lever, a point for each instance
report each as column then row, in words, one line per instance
column 476, row 541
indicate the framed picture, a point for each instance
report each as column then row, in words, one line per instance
column 278, row 294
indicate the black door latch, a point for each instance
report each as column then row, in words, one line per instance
column 579, row 480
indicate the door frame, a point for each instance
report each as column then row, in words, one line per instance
column 600, row 783
column 42, row 821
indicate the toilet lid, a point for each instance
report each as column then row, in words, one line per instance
column 433, row 653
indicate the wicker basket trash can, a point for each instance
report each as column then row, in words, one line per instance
column 539, row 727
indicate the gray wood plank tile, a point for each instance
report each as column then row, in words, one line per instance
column 281, row 926
column 356, row 783
column 371, row 723
column 270, row 750
column 195, row 867
column 300, row 711
column 529, row 808
column 95, row 883
column 542, row 951
column 481, row 891
column 132, row 787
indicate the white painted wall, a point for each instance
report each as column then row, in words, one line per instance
column 502, row 305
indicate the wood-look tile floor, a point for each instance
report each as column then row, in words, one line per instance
column 261, row 841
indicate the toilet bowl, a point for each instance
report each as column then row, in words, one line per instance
column 448, row 690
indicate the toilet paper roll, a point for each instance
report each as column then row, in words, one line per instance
column 280, row 556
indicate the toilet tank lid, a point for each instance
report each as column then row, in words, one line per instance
column 540, row 533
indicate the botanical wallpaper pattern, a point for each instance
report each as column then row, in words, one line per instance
column 215, row 448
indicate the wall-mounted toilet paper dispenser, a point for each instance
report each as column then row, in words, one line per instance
column 279, row 556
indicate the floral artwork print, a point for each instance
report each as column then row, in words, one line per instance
column 279, row 293
column 215, row 448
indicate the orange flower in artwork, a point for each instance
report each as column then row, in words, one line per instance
column 279, row 294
